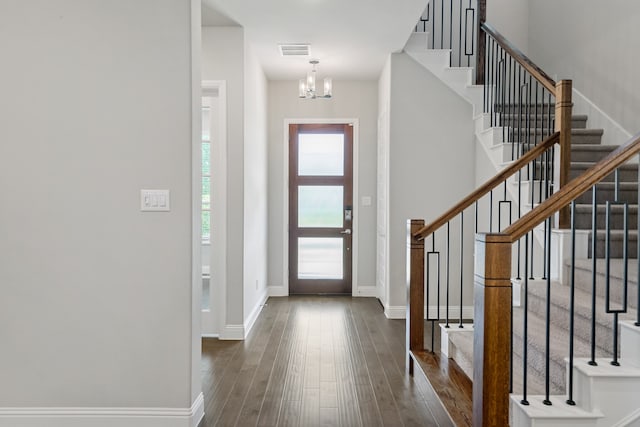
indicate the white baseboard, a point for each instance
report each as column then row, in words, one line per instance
column 232, row 332
column 210, row 335
column 253, row 316
column 365, row 291
column 395, row 312
column 400, row 312
column 102, row 417
column 278, row 291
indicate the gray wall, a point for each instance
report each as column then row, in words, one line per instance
column 227, row 55
column 511, row 19
column 351, row 99
column 431, row 161
column 255, row 184
column 595, row 43
column 223, row 59
column 96, row 306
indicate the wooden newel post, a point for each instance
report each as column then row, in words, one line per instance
column 415, row 290
column 481, row 42
column 563, row 125
column 492, row 330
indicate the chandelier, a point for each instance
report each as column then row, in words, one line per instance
column 307, row 87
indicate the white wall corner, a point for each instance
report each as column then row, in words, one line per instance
column 100, row 417
column 253, row 316
column 400, row 312
column 561, row 250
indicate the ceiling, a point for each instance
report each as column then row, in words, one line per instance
column 350, row 38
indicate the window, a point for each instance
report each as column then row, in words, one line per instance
column 206, row 172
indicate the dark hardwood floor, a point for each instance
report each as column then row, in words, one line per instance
column 317, row 361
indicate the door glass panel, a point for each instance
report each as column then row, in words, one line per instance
column 321, row 154
column 320, row 258
column 320, row 206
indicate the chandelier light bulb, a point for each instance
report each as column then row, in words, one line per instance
column 307, row 86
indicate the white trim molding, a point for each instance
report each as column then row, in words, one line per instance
column 251, row 319
column 231, row 332
column 217, row 89
column 400, row 312
column 278, row 291
column 100, row 417
column 365, row 291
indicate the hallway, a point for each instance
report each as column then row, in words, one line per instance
column 317, row 360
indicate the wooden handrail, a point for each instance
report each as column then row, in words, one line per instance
column 574, row 189
column 522, row 59
column 488, row 186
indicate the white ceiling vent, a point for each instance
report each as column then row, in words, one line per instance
column 295, row 49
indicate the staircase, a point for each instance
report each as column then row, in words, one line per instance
column 604, row 395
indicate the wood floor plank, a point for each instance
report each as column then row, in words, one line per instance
column 412, row 408
column 328, row 394
column 317, row 360
column 310, row 407
column 272, row 402
column 290, row 414
column 329, row 417
column 257, row 390
column 388, row 410
column 230, row 412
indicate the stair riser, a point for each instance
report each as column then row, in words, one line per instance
column 583, row 220
column 583, row 281
column 516, row 121
column 616, row 247
column 560, row 317
column 586, row 139
column 607, row 194
column 586, row 155
column 624, row 174
column 536, row 358
column 524, row 108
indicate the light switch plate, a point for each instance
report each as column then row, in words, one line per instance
column 155, row 201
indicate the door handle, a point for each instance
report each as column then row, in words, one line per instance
column 347, row 231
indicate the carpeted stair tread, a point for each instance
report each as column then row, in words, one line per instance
column 583, row 270
column 584, row 217
column 583, row 165
column 601, row 208
column 463, row 355
column 559, row 345
column 535, row 383
column 560, row 303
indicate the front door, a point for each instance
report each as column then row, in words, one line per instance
column 320, row 208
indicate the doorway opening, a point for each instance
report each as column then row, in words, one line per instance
column 321, row 215
column 212, row 186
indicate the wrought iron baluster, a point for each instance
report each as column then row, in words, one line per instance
column 547, row 351
column 525, row 334
column 448, row 271
column 462, row 260
column 594, row 265
column 572, row 299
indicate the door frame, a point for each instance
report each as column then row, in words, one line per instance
column 216, row 89
column 356, row 210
